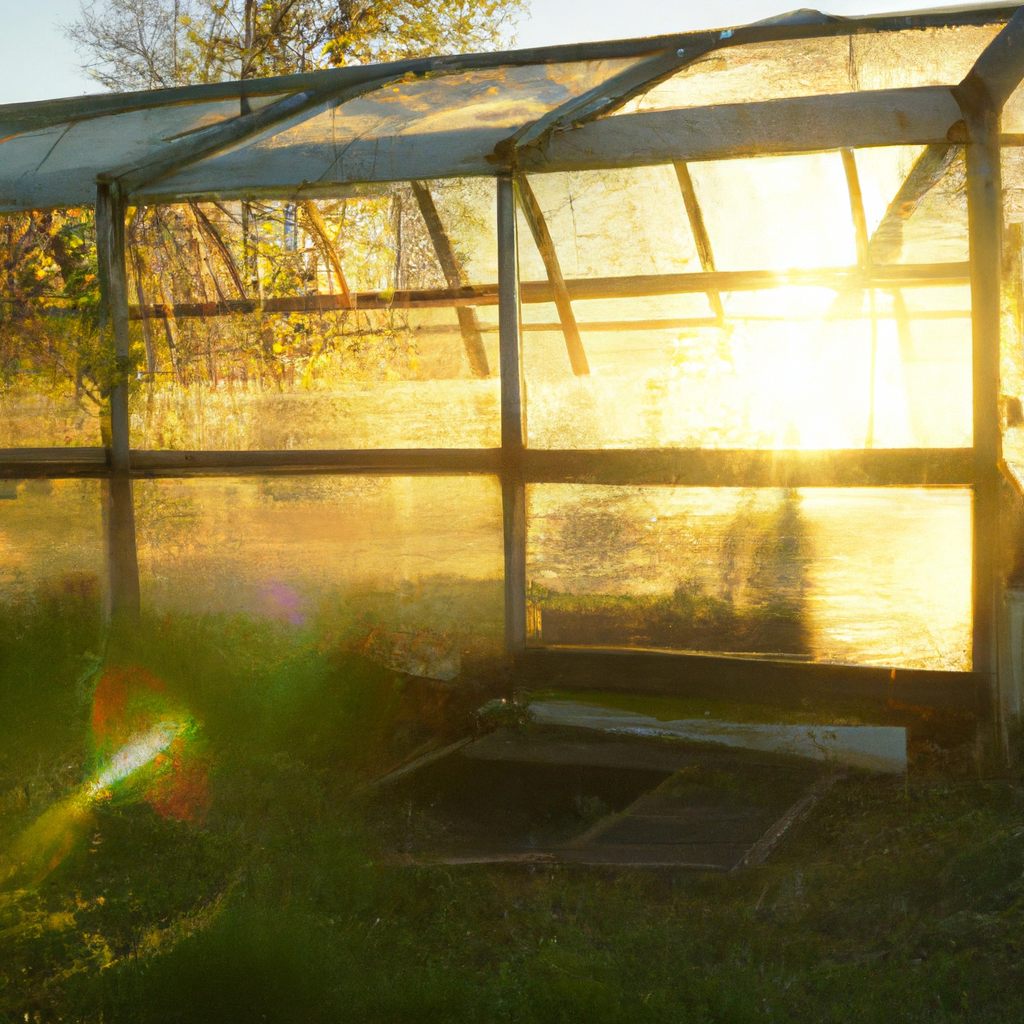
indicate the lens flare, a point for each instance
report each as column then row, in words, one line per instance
column 148, row 749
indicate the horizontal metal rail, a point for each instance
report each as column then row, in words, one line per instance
column 803, row 124
column 626, row 287
column 23, row 117
column 703, row 467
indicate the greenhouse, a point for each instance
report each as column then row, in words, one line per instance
column 689, row 364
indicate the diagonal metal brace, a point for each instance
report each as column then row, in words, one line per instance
column 546, row 246
column 603, row 98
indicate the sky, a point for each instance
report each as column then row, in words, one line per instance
column 37, row 61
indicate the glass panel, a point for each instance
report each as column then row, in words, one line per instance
column 372, row 374
column 58, row 166
column 344, row 554
column 923, row 225
column 785, row 367
column 51, row 538
column 814, row 67
column 610, row 223
column 53, row 367
column 754, row 571
column 777, row 213
column 434, row 126
column 791, row 368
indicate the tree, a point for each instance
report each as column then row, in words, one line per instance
column 52, row 355
column 151, row 44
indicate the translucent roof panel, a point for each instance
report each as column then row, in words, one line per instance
column 58, row 165
column 815, row 67
column 437, row 126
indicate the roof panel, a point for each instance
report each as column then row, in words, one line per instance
column 58, row 166
column 826, row 66
column 423, row 128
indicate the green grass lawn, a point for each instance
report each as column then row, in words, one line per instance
column 897, row 900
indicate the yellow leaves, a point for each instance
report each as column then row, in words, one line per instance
column 278, row 348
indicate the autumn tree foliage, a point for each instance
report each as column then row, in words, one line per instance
column 54, row 377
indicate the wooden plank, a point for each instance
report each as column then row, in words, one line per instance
column 513, row 419
column 767, row 844
column 546, row 247
column 911, row 467
column 633, row 286
column 883, row 696
column 415, row 765
column 996, row 73
column 536, row 747
column 704, row 467
column 692, row 857
column 985, row 219
column 75, row 456
column 468, row 325
column 807, row 124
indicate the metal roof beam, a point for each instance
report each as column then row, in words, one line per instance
column 806, row 124
column 16, row 118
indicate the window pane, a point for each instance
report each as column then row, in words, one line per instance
column 865, row 576
column 51, row 537
column 347, row 554
column 395, row 365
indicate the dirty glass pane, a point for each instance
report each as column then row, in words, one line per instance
column 349, row 555
column 818, row 366
column 866, row 576
column 51, row 539
column 54, row 371
column 37, row 411
column 814, row 67
column 788, row 368
column 58, row 165
column 924, row 222
column 777, row 213
column 437, row 126
column 394, row 365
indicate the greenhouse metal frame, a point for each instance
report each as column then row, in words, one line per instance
column 576, row 134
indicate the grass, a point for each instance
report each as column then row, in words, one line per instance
column 897, row 900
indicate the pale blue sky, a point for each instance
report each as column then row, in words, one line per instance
column 37, row 62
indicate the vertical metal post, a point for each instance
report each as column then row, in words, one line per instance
column 513, row 419
column 985, row 217
column 123, row 565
